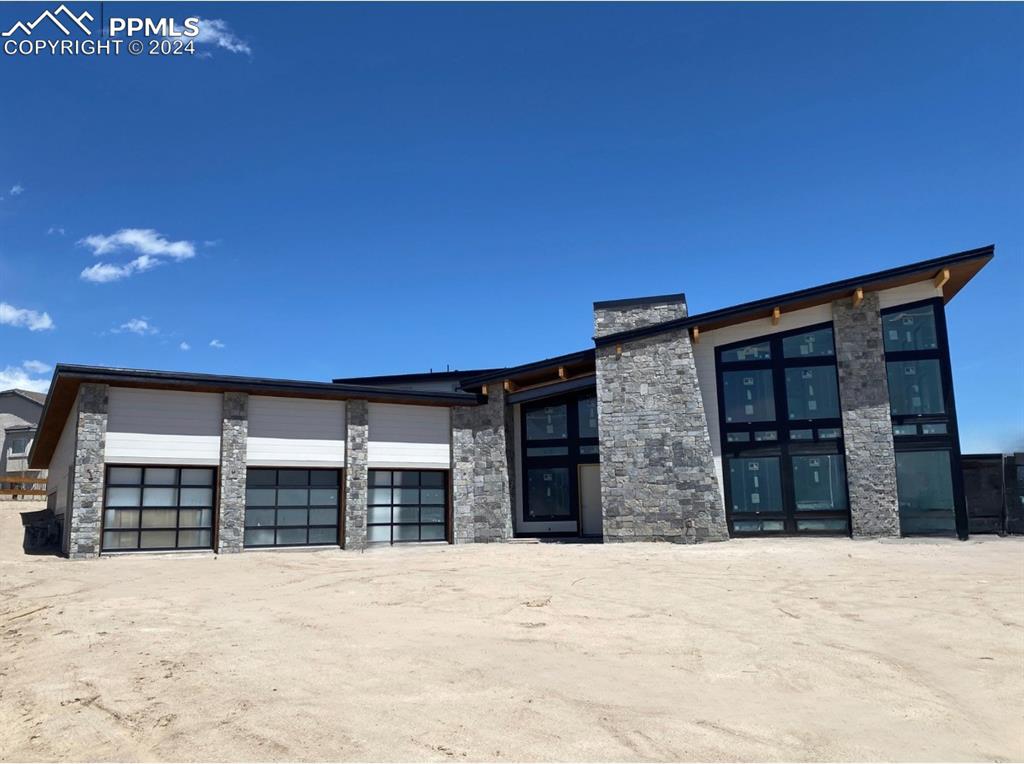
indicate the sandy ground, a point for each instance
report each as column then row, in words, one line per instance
column 791, row 649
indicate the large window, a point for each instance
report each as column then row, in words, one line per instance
column 559, row 434
column 407, row 505
column 782, row 434
column 158, row 508
column 924, row 482
column 928, row 477
column 291, row 507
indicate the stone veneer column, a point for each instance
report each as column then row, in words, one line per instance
column 657, row 470
column 87, row 490
column 481, row 500
column 234, row 433
column 867, row 421
column 356, row 473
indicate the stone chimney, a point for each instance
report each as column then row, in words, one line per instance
column 613, row 316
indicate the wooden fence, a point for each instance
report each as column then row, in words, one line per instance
column 14, row 486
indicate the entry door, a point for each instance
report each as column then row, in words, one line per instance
column 590, row 499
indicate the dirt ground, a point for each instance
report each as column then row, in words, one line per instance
column 803, row 649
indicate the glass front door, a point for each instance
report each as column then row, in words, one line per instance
column 558, row 436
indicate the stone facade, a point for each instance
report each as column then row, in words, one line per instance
column 357, row 474
column 481, row 499
column 867, row 421
column 657, row 470
column 234, row 434
column 622, row 315
column 87, row 489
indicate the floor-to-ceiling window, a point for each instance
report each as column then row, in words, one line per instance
column 291, row 507
column 782, row 436
column 928, row 476
column 558, row 435
column 158, row 508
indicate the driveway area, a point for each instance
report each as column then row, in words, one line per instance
column 798, row 649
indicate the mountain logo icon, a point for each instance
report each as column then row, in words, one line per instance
column 54, row 16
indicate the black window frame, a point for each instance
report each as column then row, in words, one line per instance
column 338, row 525
column 446, row 514
column 948, row 441
column 570, row 460
column 142, row 485
column 784, row 447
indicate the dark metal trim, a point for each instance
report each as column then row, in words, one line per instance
column 426, row 376
column 511, row 371
column 547, row 391
column 835, row 288
column 658, row 299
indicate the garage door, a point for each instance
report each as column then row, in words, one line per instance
column 291, row 507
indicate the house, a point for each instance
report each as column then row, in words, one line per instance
column 825, row 411
column 19, row 415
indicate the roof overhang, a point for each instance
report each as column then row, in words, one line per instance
column 67, row 379
column 952, row 272
column 557, row 369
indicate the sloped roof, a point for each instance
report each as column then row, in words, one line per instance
column 31, row 395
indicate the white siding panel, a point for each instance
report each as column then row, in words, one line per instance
column 61, row 461
column 922, row 290
column 296, row 432
column 163, row 427
column 409, row 436
column 704, row 360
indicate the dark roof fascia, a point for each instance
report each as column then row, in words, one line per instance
column 186, row 380
column 657, row 299
column 550, row 391
column 426, row 376
column 510, row 371
column 16, row 427
column 738, row 311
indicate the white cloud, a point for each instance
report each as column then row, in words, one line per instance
column 55, row 230
column 33, row 320
column 17, row 189
column 101, row 273
column 149, row 244
column 184, row 346
column 36, row 367
column 145, row 241
column 217, row 33
column 217, row 344
column 140, row 326
column 24, row 378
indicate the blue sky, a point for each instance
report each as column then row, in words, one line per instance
column 338, row 190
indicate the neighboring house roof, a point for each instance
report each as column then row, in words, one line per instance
column 580, row 362
column 31, row 395
column 427, row 381
column 20, row 427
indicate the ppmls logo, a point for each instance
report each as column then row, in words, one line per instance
column 159, row 37
column 55, row 17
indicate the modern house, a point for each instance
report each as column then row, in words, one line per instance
column 19, row 415
column 826, row 411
